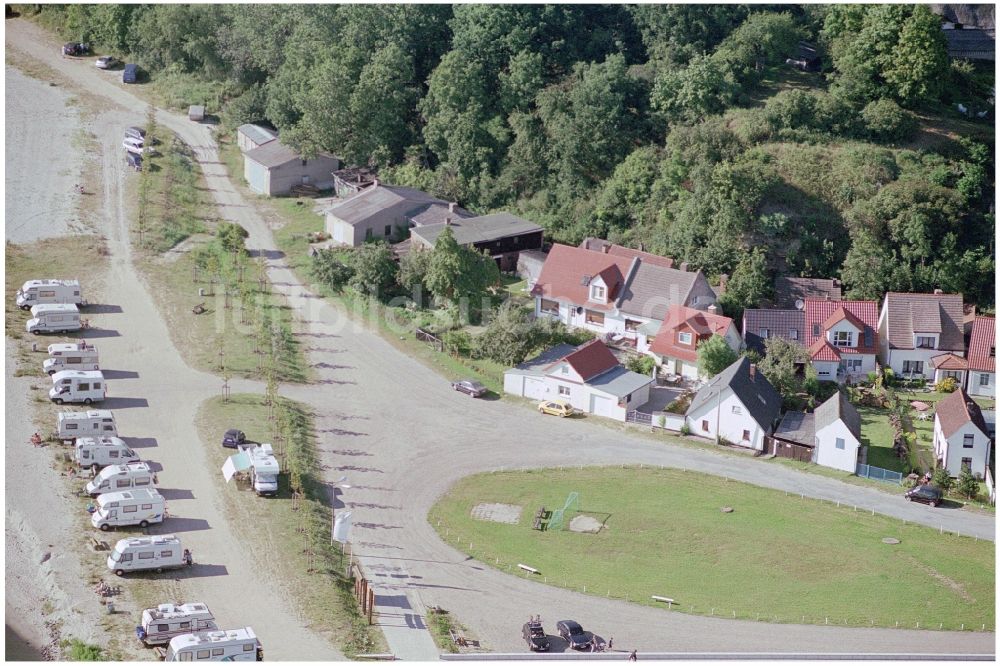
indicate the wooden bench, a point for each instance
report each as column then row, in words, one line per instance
column 540, row 516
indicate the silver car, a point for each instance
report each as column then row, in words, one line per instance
column 107, row 62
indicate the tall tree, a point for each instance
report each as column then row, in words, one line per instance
column 714, row 356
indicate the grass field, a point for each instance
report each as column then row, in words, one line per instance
column 779, row 558
column 281, row 530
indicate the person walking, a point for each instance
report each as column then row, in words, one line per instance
column 611, row 642
column 632, row 656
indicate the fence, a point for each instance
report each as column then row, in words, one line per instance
column 664, row 420
column 429, row 338
column 878, row 473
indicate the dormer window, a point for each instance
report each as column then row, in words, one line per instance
column 925, row 342
column 684, row 338
column 764, row 333
column 564, row 369
column 793, row 334
column 597, row 292
column 841, row 338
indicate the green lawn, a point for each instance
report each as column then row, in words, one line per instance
column 785, row 558
column 878, row 435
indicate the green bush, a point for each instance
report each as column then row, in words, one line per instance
column 641, row 364
column 947, row 385
column 888, row 121
column 942, row 479
column 232, row 236
column 458, row 342
column 80, row 651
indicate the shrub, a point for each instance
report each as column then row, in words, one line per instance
column 329, row 270
column 886, row 120
column 232, row 236
column 942, row 479
column 458, row 342
column 947, row 385
column 685, row 429
column 790, row 109
column 968, row 485
column 641, row 364
column 80, row 651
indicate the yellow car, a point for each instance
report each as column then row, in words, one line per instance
column 555, row 408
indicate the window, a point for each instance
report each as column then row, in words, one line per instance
column 130, row 509
column 968, row 441
column 954, row 374
column 166, row 553
column 185, row 656
column 764, row 333
column 126, row 557
column 148, row 555
column 388, row 230
column 841, row 338
column 632, row 324
column 72, row 426
column 218, row 652
column 984, row 379
column 564, row 369
column 163, row 627
column 564, row 390
column 124, row 483
column 368, row 234
column 97, row 385
column 303, row 164
column 915, row 367
column 704, row 425
column 967, row 462
column 840, row 443
column 746, row 435
column 83, row 386
column 925, row 342
column 112, row 454
column 147, row 507
column 597, row 292
column 185, row 625
column 204, row 654
column 737, row 409
column 684, row 338
column 548, row 307
column 993, row 352
column 596, row 318
column 793, row 334
column 248, row 647
column 816, row 330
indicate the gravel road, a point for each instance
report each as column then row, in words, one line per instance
column 402, row 436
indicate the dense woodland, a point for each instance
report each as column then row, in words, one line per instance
column 675, row 127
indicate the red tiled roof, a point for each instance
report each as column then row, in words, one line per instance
column 957, row 409
column 982, row 340
column 949, row 362
column 563, row 273
column 590, row 359
column 821, row 350
column 839, row 315
column 679, row 319
column 862, row 314
column 907, row 314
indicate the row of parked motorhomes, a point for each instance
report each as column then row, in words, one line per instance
column 190, row 633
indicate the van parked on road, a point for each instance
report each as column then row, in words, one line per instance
column 115, row 478
column 84, row 386
column 264, row 469
column 142, row 507
column 71, row 356
column 97, row 452
column 35, row 292
column 160, row 624
column 130, row 74
column 53, row 318
column 152, row 553
column 230, row 645
column 92, row 423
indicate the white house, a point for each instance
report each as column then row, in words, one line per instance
column 675, row 344
column 982, row 357
column 915, row 328
column 960, row 435
column 841, row 337
column 588, row 377
column 738, row 405
column 830, row 436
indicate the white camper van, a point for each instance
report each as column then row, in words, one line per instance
column 230, row 645
column 264, row 469
column 86, row 386
column 71, row 356
column 162, row 623
column 154, row 553
column 91, row 423
column 114, row 478
column 34, row 292
column 142, row 507
column 97, row 452
column 53, row 318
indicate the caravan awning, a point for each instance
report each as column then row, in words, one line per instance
column 235, row 463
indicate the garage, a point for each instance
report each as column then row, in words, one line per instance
column 535, row 387
column 602, row 405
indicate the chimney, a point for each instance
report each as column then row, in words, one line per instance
column 753, row 371
column 684, row 266
column 937, row 292
column 451, row 207
column 670, row 262
column 605, row 248
column 642, row 247
column 713, row 309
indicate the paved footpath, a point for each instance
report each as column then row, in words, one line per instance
column 402, row 436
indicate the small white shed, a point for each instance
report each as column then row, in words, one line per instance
column 196, row 113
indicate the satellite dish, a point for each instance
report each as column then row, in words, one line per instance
column 799, row 304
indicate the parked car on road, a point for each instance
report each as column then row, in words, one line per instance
column 130, row 74
column 233, row 438
column 555, row 407
column 926, row 494
column 107, row 62
column 534, row 635
column 573, row 633
column 135, row 133
column 475, row 389
column 75, row 48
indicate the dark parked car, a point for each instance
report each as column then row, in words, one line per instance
column 534, row 636
column 75, row 48
column 573, row 634
column 926, row 494
column 233, row 438
column 475, row 389
column 134, row 161
column 130, row 74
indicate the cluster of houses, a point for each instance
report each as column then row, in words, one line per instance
column 647, row 304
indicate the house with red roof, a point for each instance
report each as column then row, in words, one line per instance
column 960, row 435
column 618, row 293
column 981, row 376
column 675, row 345
column 921, row 334
column 588, row 377
column 842, row 338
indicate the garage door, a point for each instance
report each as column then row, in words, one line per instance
column 601, row 405
column 534, row 388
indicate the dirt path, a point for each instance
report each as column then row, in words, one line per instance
column 402, row 436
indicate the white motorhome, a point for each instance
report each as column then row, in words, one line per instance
column 91, row 423
column 71, row 356
column 114, row 478
column 231, row 645
column 96, row 452
column 142, row 507
column 86, row 386
column 53, row 318
column 152, row 553
column 162, row 623
column 34, row 292
column 264, row 469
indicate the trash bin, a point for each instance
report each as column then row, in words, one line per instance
column 111, row 608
